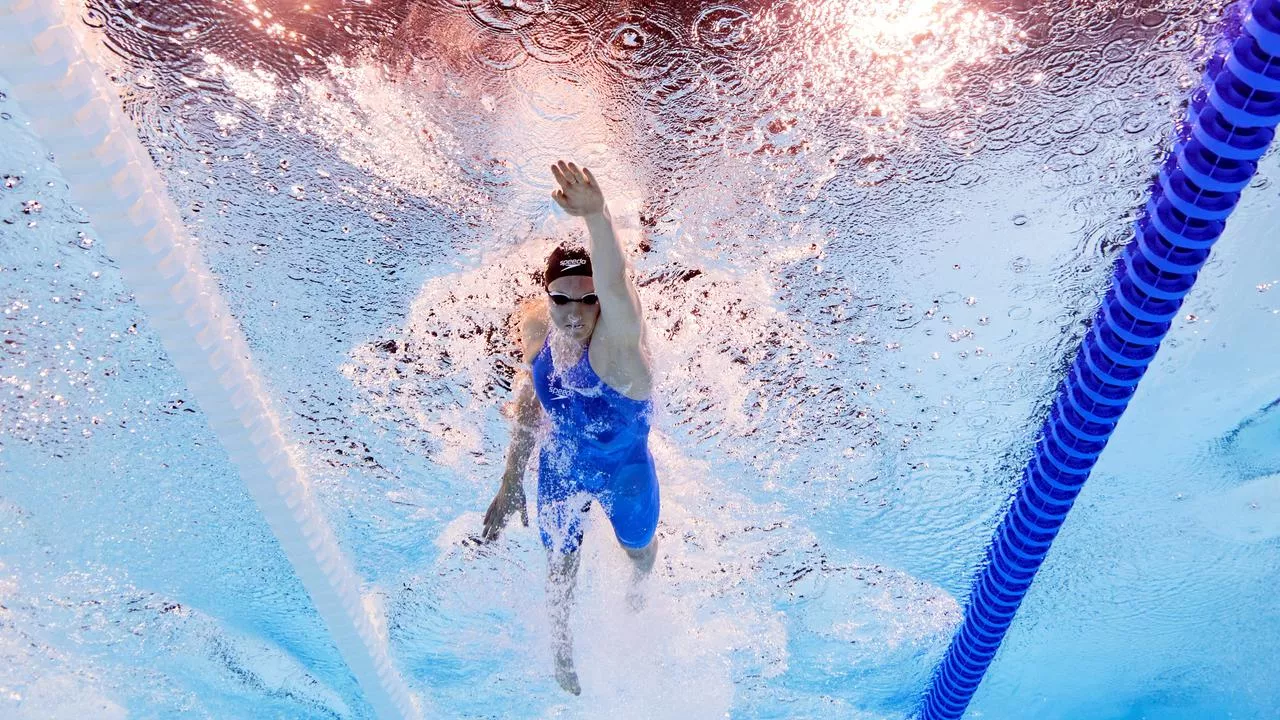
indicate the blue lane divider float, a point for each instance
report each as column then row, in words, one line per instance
column 1231, row 120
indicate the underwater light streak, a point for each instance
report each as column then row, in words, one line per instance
column 80, row 119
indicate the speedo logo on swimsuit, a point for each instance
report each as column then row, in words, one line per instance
column 571, row 263
column 561, row 391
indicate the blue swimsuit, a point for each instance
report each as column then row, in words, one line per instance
column 598, row 448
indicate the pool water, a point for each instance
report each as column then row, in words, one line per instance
column 867, row 240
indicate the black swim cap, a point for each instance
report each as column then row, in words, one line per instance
column 566, row 260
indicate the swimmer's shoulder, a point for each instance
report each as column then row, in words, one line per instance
column 532, row 326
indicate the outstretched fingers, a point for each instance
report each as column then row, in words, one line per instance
column 578, row 193
column 494, row 519
column 565, row 173
column 493, row 527
column 574, row 173
column 568, row 173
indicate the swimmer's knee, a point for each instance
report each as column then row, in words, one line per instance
column 562, row 542
column 635, row 526
column 639, row 543
column 644, row 557
column 562, row 563
column 640, row 551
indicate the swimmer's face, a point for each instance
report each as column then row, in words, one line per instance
column 574, row 319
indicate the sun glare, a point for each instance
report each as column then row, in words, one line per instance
column 887, row 58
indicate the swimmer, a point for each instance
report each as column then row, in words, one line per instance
column 588, row 374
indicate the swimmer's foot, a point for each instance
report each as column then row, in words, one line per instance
column 565, row 674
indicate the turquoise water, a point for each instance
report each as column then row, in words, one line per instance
column 867, row 241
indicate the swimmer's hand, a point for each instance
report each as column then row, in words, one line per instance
column 507, row 502
column 579, row 193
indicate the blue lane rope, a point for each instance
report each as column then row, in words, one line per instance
column 1231, row 120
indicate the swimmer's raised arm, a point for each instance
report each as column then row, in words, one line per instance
column 579, row 194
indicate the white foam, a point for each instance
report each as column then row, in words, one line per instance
column 60, row 696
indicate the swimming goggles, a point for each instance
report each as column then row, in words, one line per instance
column 562, row 299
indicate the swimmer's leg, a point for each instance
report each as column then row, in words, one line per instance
column 561, row 510
column 632, row 504
column 562, row 578
column 643, row 557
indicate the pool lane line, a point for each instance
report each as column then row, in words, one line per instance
column 78, row 116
